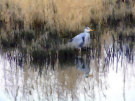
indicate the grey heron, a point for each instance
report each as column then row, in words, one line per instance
column 81, row 40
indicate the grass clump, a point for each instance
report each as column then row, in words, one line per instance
column 13, row 39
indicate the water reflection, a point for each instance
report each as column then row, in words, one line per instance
column 83, row 64
column 63, row 76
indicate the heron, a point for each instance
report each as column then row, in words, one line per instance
column 81, row 40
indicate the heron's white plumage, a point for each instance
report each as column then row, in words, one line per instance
column 81, row 40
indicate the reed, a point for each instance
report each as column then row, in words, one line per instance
column 62, row 16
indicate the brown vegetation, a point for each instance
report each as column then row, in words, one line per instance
column 67, row 15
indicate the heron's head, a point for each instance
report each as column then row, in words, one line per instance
column 87, row 29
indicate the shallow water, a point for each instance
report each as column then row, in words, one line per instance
column 104, row 73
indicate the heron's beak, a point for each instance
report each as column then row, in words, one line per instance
column 91, row 30
column 90, row 75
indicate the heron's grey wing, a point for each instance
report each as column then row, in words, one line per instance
column 79, row 38
column 76, row 41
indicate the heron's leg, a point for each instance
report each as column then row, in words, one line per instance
column 80, row 51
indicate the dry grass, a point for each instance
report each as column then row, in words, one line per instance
column 62, row 15
column 133, row 10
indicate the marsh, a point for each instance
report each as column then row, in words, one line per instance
column 35, row 64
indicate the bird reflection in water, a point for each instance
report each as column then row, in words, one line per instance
column 83, row 64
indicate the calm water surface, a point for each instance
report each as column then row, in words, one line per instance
column 100, row 74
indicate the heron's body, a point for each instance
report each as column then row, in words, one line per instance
column 81, row 40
